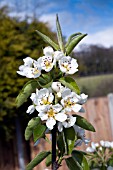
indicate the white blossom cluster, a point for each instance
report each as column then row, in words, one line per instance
column 44, row 99
column 33, row 68
column 95, row 146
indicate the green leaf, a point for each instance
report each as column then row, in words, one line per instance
column 38, row 131
column 34, row 122
column 72, row 164
column 48, row 40
column 70, row 138
column 26, row 91
column 71, row 38
column 61, row 144
column 31, row 125
column 45, row 85
column 49, row 160
column 80, row 158
column 59, row 34
column 70, row 83
column 83, row 123
column 39, row 158
column 73, row 43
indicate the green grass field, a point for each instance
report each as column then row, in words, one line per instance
column 96, row 86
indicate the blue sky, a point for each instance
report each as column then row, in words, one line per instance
column 94, row 17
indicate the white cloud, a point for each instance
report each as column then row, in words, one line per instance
column 103, row 37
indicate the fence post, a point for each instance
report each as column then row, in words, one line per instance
column 110, row 105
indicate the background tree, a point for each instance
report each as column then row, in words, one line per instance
column 18, row 40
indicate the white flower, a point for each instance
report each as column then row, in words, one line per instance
column 94, row 145
column 30, row 69
column 106, row 144
column 68, row 65
column 82, row 98
column 51, row 114
column 28, row 61
column 69, row 101
column 81, row 136
column 48, row 51
column 90, row 149
column 30, row 109
column 111, row 144
column 58, row 55
column 47, row 62
column 70, row 121
column 57, row 87
column 42, row 98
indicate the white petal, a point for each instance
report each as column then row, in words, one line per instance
column 89, row 149
column 58, row 55
column 21, row 73
column 43, row 116
column 43, row 93
column 60, row 127
column 50, row 123
column 30, row 109
column 72, row 120
column 66, row 92
column 50, row 98
column 28, row 61
column 57, row 108
column 61, row 117
column 41, row 108
column 56, row 86
column 76, row 107
column 48, row 51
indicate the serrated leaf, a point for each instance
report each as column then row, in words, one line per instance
column 38, row 132
column 70, row 138
column 26, row 91
column 73, row 43
column 71, row 37
column 49, row 160
column 48, row 40
column 72, row 164
column 70, row 83
column 39, row 158
column 80, row 158
column 31, row 125
column 83, row 123
column 59, row 34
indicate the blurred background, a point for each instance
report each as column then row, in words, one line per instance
column 18, row 21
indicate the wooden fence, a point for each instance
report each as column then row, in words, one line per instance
column 99, row 111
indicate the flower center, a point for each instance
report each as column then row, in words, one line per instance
column 35, row 71
column 47, row 64
column 51, row 113
column 45, row 101
column 66, row 66
column 68, row 103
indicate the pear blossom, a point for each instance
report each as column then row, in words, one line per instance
column 70, row 121
column 58, row 88
column 42, row 98
column 47, row 61
column 82, row 98
column 80, row 135
column 30, row 69
column 68, row 65
column 58, row 55
column 51, row 114
column 105, row 144
column 70, row 101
